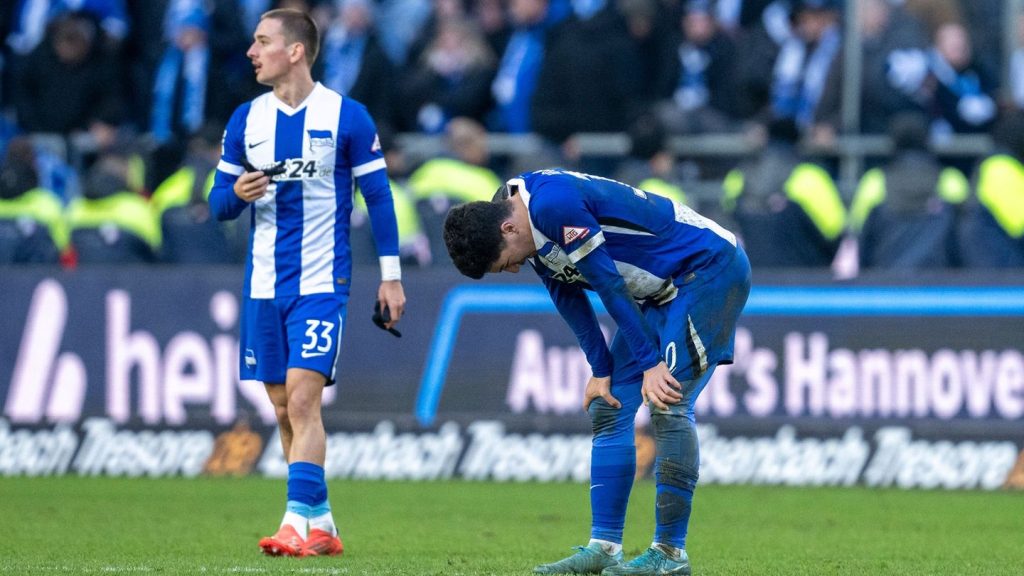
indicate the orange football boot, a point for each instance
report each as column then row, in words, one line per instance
column 322, row 543
column 286, row 542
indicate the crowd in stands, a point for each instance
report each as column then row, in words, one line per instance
column 111, row 114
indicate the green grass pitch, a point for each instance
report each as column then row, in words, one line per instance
column 79, row 525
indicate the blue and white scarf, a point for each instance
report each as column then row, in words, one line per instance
column 798, row 80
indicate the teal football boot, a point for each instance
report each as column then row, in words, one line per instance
column 653, row 562
column 590, row 559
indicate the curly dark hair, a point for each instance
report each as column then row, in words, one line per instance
column 472, row 233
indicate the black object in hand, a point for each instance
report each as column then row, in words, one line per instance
column 274, row 170
column 382, row 316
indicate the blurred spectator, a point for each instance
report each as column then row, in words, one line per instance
column 904, row 213
column 451, row 78
column 463, row 176
column 441, row 11
column 807, row 75
column 31, row 18
column 31, row 224
column 70, row 83
column 788, row 210
column 413, row 244
column 179, row 203
column 651, row 165
column 893, row 46
column 519, row 67
column 983, row 20
column 589, row 77
column 759, row 41
column 399, row 23
column 957, row 93
column 1017, row 66
column 354, row 64
column 189, row 29
column 490, row 17
column 734, row 15
column 251, row 10
column 179, row 92
column 704, row 97
column 992, row 232
column 651, row 30
column 110, row 224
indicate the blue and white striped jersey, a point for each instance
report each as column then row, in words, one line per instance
column 626, row 244
column 300, row 228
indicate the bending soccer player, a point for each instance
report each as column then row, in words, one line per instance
column 673, row 281
column 303, row 145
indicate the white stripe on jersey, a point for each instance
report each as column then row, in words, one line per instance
column 587, row 247
column 621, row 230
column 264, row 241
column 229, row 168
column 686, row 215
column 264, row 272
column 371, row 166
column 319, row 199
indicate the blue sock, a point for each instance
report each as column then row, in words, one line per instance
column 672, row 513
column 611, row 478
column 306, row 483
column 612, row 467
column 676, row 470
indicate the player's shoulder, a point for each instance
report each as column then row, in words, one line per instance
column 242, row 111
column 551, row 186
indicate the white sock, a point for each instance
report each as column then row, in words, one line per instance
column 324, row 522
column 610, row 548
column 671, row 551
column 296, row 521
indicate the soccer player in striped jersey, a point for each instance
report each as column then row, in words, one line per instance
column 673, row 281
column 293, row 156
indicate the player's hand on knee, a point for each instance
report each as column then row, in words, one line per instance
column 660, row 388
column 599, row 388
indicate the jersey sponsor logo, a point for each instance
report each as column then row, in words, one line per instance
column 571, row 234
column 320, row 139
column 375, row 147
column 308, row 354
column 300, row 169
column 255, row 144
column 250, row 358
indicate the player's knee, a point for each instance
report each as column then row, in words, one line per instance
column 678, row 452
column 281, row 412
column 674, row 473
column 300, row 412
column 609, row 422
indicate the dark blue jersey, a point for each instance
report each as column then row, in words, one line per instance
column 627, row 245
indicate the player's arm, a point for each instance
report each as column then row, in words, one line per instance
column 573, row 306
column 562, row 214
column 234, row 188
column 659, row 387
column 368, row 168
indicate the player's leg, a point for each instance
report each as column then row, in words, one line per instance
column 696, row 333
column 279, row 399
column 314, row 328
column 676, row 465
column 263, row 348
column 612, row 469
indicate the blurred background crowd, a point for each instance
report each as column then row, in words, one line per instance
column 854, row 134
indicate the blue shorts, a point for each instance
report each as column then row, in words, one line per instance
column 696, row 330
column 291, row 332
